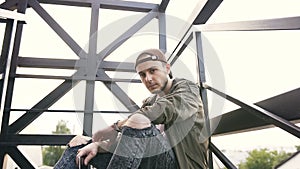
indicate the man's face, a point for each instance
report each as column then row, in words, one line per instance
column 154, row 75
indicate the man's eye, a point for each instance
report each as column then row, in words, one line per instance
column 142, row 75
column 152, row 70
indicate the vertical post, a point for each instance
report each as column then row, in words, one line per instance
column 9, row 29
column 3, row 158
column 91, row 68
column 203, row 91
column 162, row 32
column 10, row 53
column 6, row 57
column 11, row 67
column 7, row 79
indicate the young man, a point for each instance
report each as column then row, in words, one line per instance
column 175, row 104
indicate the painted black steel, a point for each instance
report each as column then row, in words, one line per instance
column 289, row 23
column 127, row 34
column 209, row 8
column 221, row 156
column 45, row 103
column 203, row 92
column 11, row 67
column 285, row 105
column 11, row 4
column 181, row 49
column 203, row 16
column 12, row 70
column 91, row 72
column 19, row 158
column 73, row 64
column 35, row 139
column 5, row 53
column 69, row 111
column 10, row 138
column 106, row 4
column 120, row 94
column 163, row 6
column 261, row 113
column 162, row 32
column 57, row 28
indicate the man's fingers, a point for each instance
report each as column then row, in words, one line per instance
column 88, row 158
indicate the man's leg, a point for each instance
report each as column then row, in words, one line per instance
column 141, row 141
column 68, row 159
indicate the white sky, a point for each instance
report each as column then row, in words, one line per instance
column 256, row 65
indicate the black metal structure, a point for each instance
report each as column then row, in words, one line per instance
column 248, row 117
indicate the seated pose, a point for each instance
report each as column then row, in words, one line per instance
column 136, row 142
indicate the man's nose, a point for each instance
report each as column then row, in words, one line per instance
column 148, row 77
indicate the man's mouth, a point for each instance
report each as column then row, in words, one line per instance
column 152, row 86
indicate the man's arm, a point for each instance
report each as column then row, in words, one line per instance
column 182, row 103
column 137, row 121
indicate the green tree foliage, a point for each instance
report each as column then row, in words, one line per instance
column 263, row 159
column 51, row 154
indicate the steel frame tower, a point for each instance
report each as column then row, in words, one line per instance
column 247, row 117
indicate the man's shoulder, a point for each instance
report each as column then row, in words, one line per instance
column 181, row 84
column 184, row 82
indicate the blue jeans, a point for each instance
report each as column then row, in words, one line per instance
column 136, row 149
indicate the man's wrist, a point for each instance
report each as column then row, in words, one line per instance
column 117, row 126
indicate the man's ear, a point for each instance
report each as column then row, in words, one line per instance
column 168, row 68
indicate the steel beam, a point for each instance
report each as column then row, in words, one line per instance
column 221, row 156
column 162, row 32
column 3, row 153
column 91, row 72
column 57, row 28
column 284, row 105
column 117, row 66
column 103, row 79
column 119, row 93
column 206, row 12
column 11, row 46
column 181, row 49
column 19, row 158
column 289, row 23
column 128, row 5
column 163, row 6
column 11, row 70
column 69, row 111
column 126, row 35
column 9, row 29
column 50, row 63
column 11, row 4
column 78, row 3
column 45, row 103
column 261, row 113
column 203, row 92
column 34, row 139
column 106, row 4
column 73, row 64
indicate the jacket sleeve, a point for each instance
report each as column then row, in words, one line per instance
column 181, row 103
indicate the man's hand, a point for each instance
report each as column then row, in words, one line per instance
column 107, row 133
column 78, row 140
column 89, row 151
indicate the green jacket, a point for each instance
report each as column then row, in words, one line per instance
column 181, row 112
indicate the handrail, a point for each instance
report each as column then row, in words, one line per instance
column 221, row 156
column 260, row 112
